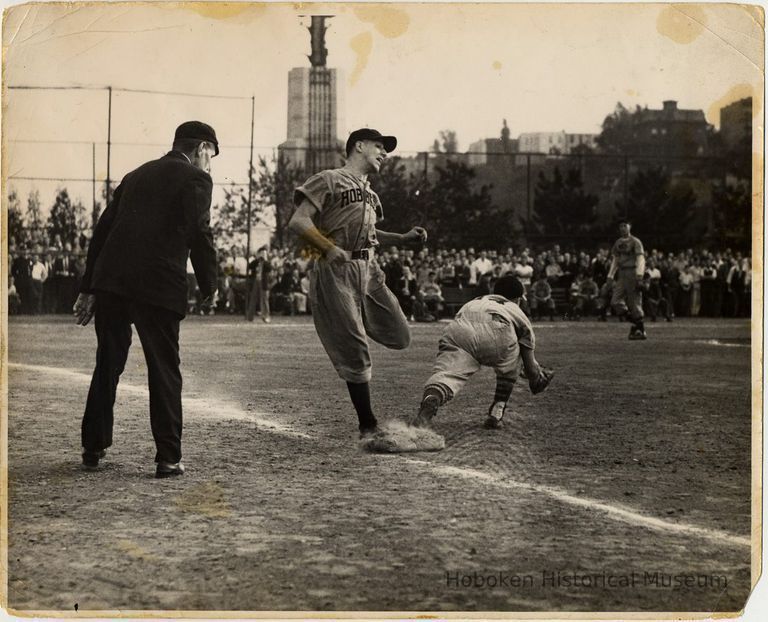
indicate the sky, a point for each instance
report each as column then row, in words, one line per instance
column 411, row 70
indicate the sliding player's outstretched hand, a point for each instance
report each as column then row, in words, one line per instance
column 540, row 382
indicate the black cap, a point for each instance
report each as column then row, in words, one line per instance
column 389, row 142
column 509, row 286
column 197, row 130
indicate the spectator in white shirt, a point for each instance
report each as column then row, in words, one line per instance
column 482, row 265
column 39, row 276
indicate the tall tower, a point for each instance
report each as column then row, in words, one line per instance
column 313, row 108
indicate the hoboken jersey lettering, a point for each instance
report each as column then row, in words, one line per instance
column 356, row 195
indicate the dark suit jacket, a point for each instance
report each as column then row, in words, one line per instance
column 21, row 269
column 159, row 216
column 59, row 269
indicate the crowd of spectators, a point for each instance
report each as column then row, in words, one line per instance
column 44, row 275
column 44, row 278
column 573, row 284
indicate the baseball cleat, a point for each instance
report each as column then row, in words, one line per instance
column 637, row 334
column 495, row 417
column 492, row 423
column 427, row 411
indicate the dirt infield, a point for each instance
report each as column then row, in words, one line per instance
column 624, row 487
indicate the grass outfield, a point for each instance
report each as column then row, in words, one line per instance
column 624, row 487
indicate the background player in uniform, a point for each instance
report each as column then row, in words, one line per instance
column 336, row 214
column 489, row 331
column 628, row 262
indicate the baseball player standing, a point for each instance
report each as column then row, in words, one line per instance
column 336, row 214
column 628, row 262
column 489, row 331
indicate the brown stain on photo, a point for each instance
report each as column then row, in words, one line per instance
column 361, row 45
column 132, row 549
column 497, row 65
column 388, row 21
column 207, row 499
column 756, row 12
column 734, row 94
column 243, row 11
column 683, row 23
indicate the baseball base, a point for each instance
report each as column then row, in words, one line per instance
column 395, row 437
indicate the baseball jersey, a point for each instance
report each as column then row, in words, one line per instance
column 498, row 307
column 626, row 251
column 347, row 208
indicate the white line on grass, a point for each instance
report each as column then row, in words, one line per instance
column 717, row 342
column 257, row 326
column 203, row 408
column 240, row 325
column 623, row 514
column 210, row 408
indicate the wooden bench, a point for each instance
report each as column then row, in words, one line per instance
column 562, row 300
column 456, row 297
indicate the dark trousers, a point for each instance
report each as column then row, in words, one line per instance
column 36, row 296
column 158, row 330
column 253, row 298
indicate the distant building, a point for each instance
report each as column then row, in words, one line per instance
column 670, row 131
column 483, row 151
column 313, row 109
column 587, row 141
column 736, row 124
column 554, row 142
column 543, row 142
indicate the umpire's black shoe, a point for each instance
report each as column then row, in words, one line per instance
column 91, row 458
column 169, row 469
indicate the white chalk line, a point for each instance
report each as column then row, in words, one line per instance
column 211, row 409
column 717, row 342
column 257, row 326
column 202, row 408
column 622, row 514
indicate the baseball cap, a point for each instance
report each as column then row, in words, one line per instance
column 197, row 130
column 389, row 142
column 510, row 287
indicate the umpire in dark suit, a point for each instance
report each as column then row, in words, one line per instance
column 136, row 274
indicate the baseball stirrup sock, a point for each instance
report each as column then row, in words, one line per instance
column 497, row 410
column 442, row 392
column 361, row 399
column 503, row 389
